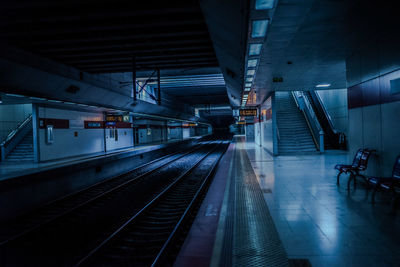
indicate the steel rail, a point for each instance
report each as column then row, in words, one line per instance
column 103, row 194
column 144, row 209
column 160, row 258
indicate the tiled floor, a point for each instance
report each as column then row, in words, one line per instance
column 320, row 221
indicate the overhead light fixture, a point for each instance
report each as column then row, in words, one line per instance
column 259, row 28
column 248, row 85
column 249, row 79
column 255, row 49
column 252, row 63
column 55, row 101
column 323, row 85
column 247, row 89
column 37, row 98
column 264, row 4
column 15, row 95
column 251, row 72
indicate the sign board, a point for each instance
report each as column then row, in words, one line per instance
column 248, row 112
column 76, row 124
column 114, row 118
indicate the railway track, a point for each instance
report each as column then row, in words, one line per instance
column 71, row 227
column 61, row 207
column 146, row 238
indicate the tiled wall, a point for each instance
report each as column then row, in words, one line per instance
column 374, row 121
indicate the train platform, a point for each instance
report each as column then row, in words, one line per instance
column 287, row 211
column 15, row 169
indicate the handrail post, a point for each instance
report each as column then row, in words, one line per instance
column 321, row 142
column 3, row 153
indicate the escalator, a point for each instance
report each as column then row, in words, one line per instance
column 332, row 138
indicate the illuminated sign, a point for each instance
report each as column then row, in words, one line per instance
column 114, row 118
column 248, row 112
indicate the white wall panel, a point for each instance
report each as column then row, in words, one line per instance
column 66, row 144
column 185, row 133
column 125, row 139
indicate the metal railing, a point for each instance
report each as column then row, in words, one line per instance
column 15, row 136
column 311, row 118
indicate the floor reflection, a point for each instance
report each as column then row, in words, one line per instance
column 318, row 220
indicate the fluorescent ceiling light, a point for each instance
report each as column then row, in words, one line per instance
column 55, row 101
column 251, row 72
column 252, row 63
column 249, row 79
column 37, row 98
column 264, row 4
column 247, row 89
column 259, row 28
column 15, row 95
column 248, row 85
column 323, row 85
column 255, row 49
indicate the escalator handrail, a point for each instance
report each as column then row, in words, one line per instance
column 326, row 115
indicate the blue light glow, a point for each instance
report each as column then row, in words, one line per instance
column 264, row 4
column 249, row 79
column 255, row 49
column 252, row 63
column 250, row 72
column 259, row 28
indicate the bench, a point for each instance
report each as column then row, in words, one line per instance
column 360, row 163
column 391, row 184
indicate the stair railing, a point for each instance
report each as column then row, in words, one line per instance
column 15, row 137
column 311, row 118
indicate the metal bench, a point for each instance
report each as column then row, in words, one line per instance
column 391, row 184
column 360, row 163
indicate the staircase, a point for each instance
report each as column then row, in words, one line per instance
column 23, row 151
column 294, row 133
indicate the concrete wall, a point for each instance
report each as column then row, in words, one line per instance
column 11, row 116
column 374, row 122
column 335, row 102
column 151, row 131
column 263, row 129
column 372, row 62
column 73, row 141
column 175, row 131
column 250, row 133
column 125, row 139
column 185, row 133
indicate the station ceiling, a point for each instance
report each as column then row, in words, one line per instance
column 101, row 36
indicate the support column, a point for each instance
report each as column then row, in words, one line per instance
column 35, row 130
column 134, row 78
column 274, row 125
column 159, row 87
